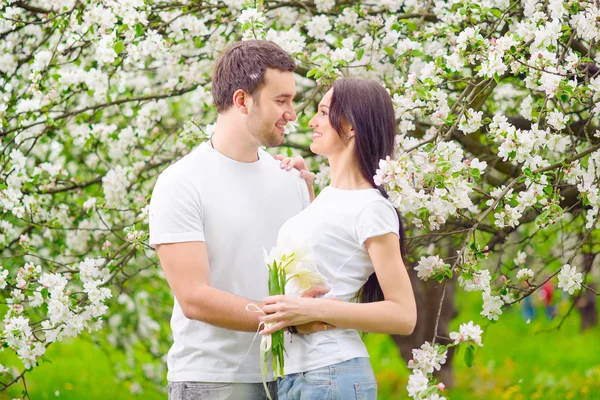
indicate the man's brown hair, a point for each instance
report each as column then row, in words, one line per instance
column 242, row 66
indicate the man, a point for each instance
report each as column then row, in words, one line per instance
column 213, row 212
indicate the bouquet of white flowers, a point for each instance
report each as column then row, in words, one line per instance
column 291, row 272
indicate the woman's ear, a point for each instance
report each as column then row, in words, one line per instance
column 240, row 100
column 350, row 133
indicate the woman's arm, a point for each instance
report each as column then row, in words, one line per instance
column 298, row 163
column 397, row 314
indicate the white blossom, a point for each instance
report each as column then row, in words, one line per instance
column 524, row 274
column 417, row 383
column 492, row 306
column 429, row 266
column 569, row 279
column 318, row 26
column 467, row 333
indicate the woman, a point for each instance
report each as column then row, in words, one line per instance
column 355, row 237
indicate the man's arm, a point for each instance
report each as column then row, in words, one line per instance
column 186, row 269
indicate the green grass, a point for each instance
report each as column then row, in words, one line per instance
column 518, row 361
column 533, row 360
column 77, row 369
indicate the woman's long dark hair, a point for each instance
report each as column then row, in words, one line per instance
column 367, row 106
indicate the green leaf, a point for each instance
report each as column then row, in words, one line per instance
column 410, row 25
column 360, row 53
column 139, row 29
column 118, row 47
column 470, row 355
column 312, row 72
column 496, row 13
column 574, row 8
column 389, row 50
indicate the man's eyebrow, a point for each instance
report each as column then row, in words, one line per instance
column 285, row 95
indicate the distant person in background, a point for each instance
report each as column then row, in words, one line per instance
column 528, row 309
column 546, row 295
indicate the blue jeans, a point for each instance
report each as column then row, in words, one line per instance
column 352, row 379
column 220, row 391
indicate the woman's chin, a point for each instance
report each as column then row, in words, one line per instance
column 315, row 148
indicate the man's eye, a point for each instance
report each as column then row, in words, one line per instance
column 281, row 101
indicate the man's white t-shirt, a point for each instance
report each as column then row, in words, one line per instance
column 335, row 227
column 236, row 209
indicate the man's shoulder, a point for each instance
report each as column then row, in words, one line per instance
column 191, row 162
column 274, row 167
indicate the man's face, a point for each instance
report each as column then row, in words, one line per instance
column 268, row 116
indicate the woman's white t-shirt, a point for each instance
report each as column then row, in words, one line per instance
column 335, row 227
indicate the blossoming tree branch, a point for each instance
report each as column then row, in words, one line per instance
column 496, row 167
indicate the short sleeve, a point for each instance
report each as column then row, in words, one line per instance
column 377, row 218
column 175, row 211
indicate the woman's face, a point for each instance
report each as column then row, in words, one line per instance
column 326, row 141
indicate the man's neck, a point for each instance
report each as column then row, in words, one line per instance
column 234, row 141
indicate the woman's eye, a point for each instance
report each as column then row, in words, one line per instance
column 323, row 112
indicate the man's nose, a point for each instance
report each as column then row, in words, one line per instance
column 291, row 114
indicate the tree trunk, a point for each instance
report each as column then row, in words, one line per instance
column 587, row 302
column 428, row 296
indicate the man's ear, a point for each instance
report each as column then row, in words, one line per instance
column 240, row 100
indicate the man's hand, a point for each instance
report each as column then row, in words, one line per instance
column 316, row 291
column 312, row 327
column 315, row 326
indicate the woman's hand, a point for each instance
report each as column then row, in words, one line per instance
column 301, row 312
column 285, row 311
column 298, row 163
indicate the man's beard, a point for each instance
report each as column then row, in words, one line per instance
column 259, row 129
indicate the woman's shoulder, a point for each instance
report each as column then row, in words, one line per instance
column 372, row 198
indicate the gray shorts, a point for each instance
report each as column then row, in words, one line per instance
column 220, row 391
